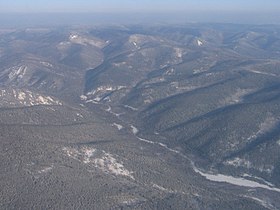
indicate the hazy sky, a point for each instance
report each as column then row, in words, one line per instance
column 133, row 11
column 137, row 5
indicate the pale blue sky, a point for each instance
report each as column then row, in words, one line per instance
column 139, row 11
column 137, row 5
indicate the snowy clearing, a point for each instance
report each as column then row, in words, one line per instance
column 100, row 159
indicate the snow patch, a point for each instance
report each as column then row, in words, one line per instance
column 36, row 170
column 3, row 92
column 101, row 92
column 268, row 124
column 119, row 127
column 147, row 101
column 46, row 64
column 137, row 39
column 135, row 132
column 97, row 99
column 179, row 88
column 161, row 188
column 99, row 159
column 162, row 145
column 165, row 189
column 42, row 100
column 237, row 97
column 73, row 36
column 170, row 71
column 131, row 202
column 199, row 42
column 119, row 64
column 92, row 101
column 63, row 45
column 234, row 180
column 178, row 52
column 85, row 40
column 134, row 129
column 17, row 72
column 109, row 109
column 22, row 97
column 145, row 140
column 238, row 162
column 258, row 178
column 109, row 164
column 45, row 170
column 83, row 97
column 79, row 115
column 261, row 72
column 130, row 107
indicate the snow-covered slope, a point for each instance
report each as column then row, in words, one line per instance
column 20, row 97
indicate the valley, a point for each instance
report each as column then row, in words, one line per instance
column 140, row 117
